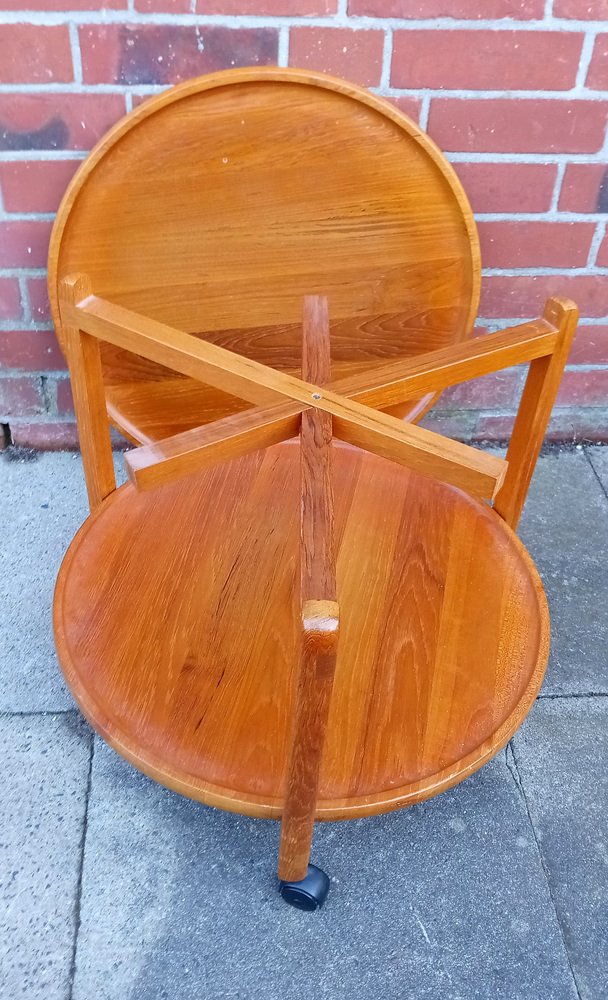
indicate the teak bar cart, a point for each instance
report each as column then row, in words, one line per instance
column 301, row 605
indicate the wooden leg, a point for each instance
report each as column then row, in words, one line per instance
column 320, row 614
column 89, row 400
column 540, row 390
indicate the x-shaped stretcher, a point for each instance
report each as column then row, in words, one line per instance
column 285, row 406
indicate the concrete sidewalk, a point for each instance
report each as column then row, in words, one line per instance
column 113, row 888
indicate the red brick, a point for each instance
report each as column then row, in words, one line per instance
column 602, row 258
column 597, row 76
column 39, row 300
column 56, row 121
column 30, row 350
column 464, row 9
column 586, row 388
column 263, row 8
column 486, row 60
column 585, row 188
column 583, row 10
column 535, row 244
column 34, row 54
column 10, row 299
column 50, row 436
column 590, row 346
column 24, row 243
column 163, row 6
column 65, row 400
column 524, row 295
column 518, row 126
column 409, row 105
column 63, row 5
column 354, row 55
column 35, row 185
column 490, row 392
column 565, row 425
column 20, row 396
column 508, row 187
column 164, row 54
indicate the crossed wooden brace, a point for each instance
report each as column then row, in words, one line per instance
column 280, row 399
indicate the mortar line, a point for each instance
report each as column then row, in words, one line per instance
column 78, row 898
column 516, row 775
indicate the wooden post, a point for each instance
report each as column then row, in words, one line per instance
column 540, row 391
column 89, row 396
column 320, row 616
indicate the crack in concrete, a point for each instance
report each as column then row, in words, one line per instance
column 78, row 896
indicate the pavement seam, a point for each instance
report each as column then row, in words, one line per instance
column 513, row 768
column 78, row 897
column 575, row 694
column 595, row 472
column 28, row 714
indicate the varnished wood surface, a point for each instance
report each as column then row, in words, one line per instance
column 176, row 620
column 217, row 205
column 320, row 612
column 381, row 433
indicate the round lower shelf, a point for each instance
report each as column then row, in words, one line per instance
column 176, row 616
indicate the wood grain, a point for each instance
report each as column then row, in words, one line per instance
column 320, row 616
column 154, row 464
column 431, row 454
column 89, row 397
column 540, row 391
column 443, row 632
column 283, row 183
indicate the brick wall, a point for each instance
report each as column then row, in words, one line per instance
column 515, row 92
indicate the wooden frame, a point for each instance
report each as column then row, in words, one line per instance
column 284, row 406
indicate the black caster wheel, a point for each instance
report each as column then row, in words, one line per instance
column 310, row 893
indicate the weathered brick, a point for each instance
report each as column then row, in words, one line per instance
column 524, row 295
column 21, row 395
column 30, row 350
column 597, row 75
column 602, row 257
column 56, row 121
column 462, row 9
column 38, row 296
column 35, row 54
column 24, row 243
column 592, row 10
column 535, row 244
column 504, row 125
column 163, row 6
column 583, row 388
column 486, row 60
column 273, row 8
column 580, row 424
column 494, row 391
column 584, row 188
column 63, row 5
column 10, row 299
column 45, row 436
column 65, row 400
column 409, row 105
column 355, row 55
column 508, row 187
column 35, row 185
column 590, row 346
column 164, row 54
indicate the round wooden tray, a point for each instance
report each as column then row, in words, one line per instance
column 176, row 622
column 217, row 205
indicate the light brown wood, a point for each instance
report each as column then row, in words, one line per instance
column 176, row 621
column 431, row 454
column 152, row 465
column 89, row 396
column 537, row 401
column 320, row 617
column 282, row 183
